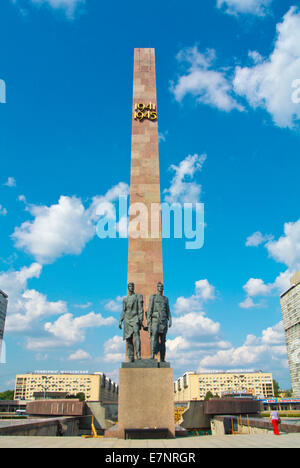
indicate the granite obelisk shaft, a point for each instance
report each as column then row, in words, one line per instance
column 145, row 265
column 146, row 393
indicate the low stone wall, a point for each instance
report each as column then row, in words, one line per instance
column 43, row 427
column 234, row 406
column 221, row 425
column 218, row 428
column 56, row 408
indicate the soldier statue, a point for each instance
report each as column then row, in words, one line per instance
column 159, row 320
column 132, row 316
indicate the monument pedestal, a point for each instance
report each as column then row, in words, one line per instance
column 145, row 363
column 146, row 401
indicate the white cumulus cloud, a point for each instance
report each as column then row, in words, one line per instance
column 26, row 306
column 267, row 352
column 287, row 248
column 79, row 355
column 114, row 349
column 255, row 7
column 11, row 182
column 183, row 188
column 70, row 330
column 68, row 6
column 256, row 239
column 205, row 290
column 60, row 229
column 114, row 305
column 194, row 324
column 257, row 287
column 64, row 228
column 248, row 303
column 3, row 211
column 269, row 83
column 190, row 322
column 200, row 80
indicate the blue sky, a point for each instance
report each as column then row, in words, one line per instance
column 225, row 77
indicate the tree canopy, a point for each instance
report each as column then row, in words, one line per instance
column 276, row 388
column 7, row 395
column 78, row 396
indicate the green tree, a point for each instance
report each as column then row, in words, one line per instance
column 276, row 388
column 78, row 396
column 208, row 396
column 8, row 395
column 81, row 396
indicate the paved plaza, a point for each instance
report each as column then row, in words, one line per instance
column 230, row 441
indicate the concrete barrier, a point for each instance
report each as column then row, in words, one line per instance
column 55, row 408
column 230, row 405
column 194, row 417
column 221, row 425
column 42, row 427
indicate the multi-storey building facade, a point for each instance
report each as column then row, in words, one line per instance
column 96, row 387
column 193, row 386
column 3, row 309
column 290, row 307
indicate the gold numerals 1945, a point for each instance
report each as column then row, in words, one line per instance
column 142, row 111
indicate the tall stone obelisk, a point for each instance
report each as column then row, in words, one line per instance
column 145, row 266
column 146, row 394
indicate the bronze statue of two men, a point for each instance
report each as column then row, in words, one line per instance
column 158, row 321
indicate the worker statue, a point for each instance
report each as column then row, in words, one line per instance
column 132, row 316
column 159, row 320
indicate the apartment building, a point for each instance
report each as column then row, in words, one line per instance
column 194, row 386
column 290, row 307
column 96, row 386
column 3, row 309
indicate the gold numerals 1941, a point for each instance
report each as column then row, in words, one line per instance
column 142, row 111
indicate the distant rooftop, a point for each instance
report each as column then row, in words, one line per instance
column 3, row 294
column 294, row 280
column 229, row 371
